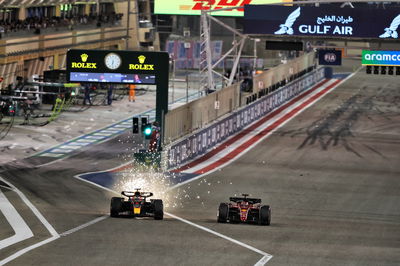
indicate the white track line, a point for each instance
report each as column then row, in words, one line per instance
column 73, row 230
column 266, row 257
column 21, row 229
column 52, row 231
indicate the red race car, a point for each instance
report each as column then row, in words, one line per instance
column 245, row 210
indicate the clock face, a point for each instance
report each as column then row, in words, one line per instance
column 112, row 61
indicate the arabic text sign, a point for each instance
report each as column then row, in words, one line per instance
column 381, row 58
column 194, row 7
column 322, row 21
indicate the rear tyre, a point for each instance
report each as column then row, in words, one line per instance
column 158, row 210
column 223, row 212
column 116, row 206
column 265, row 215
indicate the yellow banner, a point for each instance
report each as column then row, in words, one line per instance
column 194, row 7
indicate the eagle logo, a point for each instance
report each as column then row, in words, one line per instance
column 391, row 31
column 287, row 27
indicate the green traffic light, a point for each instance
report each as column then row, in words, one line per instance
column 147, row 131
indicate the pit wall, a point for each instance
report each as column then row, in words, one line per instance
column 195, row 115
column 196, row 144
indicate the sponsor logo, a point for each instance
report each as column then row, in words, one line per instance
column 287, row 27
column 83, row 64
column 381, row 58
column 215, row 4
column 391, row 31
column 141, row 65
column 320, row 28
column 330, row 57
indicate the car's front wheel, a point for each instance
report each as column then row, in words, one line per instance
column 265, row 215
column 116, row 206
column 223, row 212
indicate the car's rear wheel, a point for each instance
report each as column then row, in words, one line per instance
column 265, row 215
column 116, row 206
column 223, row 212
column 158, row 210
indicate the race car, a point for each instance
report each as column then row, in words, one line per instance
column 244, row 209
column 136, row 204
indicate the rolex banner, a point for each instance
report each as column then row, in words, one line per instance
column 106, row 66
column 324, row 21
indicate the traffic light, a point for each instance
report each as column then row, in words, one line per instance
column 383, row 70
column 147, row 130
column 390, row 71
column 376, row 69
column 135, row 125
column 144, row 122
column 369, row 69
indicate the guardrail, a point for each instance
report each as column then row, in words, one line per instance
column 204, row 139
column 185, row 119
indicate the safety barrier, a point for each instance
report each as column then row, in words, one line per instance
column 284, row 73
column 199, row 142
column 194, row 115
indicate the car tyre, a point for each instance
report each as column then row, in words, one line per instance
column 265, row 215
column 223, row 212
column 116, row 206
column 158, row 209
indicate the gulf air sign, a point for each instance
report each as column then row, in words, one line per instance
column 323, row 21
column 194, row 7
column 381, row 58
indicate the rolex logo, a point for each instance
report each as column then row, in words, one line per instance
column 84, row 57
column 141, row 58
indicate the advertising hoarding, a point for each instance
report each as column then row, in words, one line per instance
column 126, row 67
column 381, row 58
column 105, row 66
column 330, row 57
column 324, row 21
column 194, row 7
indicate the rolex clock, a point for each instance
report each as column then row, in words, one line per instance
column 112, row 61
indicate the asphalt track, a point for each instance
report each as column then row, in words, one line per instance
column 331, row 176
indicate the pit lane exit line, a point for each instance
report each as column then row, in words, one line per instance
column 21, row 229
column 36, row 212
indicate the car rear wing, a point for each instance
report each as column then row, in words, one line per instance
column 249, row 200
column 132, row 194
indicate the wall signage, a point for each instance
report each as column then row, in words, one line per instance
column 194, row 7
column 123, row 67
column 116, row 66
column 330, row 57
column 326, row 21
column 381, row 58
